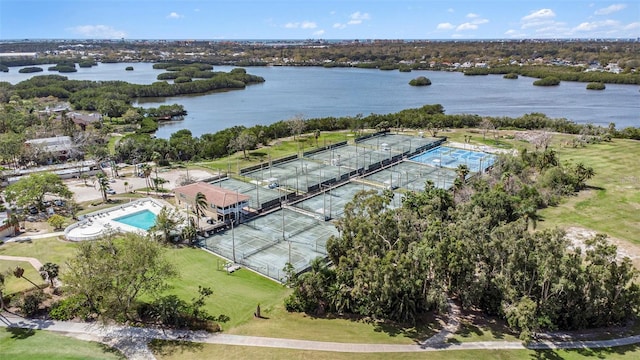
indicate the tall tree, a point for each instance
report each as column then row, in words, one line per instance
column 103, row 184
column 200, row 204
column 109, row 276
column 49, row 271
column 246, row 140
column 167, row 220
column 33, row 188
column 296, row 125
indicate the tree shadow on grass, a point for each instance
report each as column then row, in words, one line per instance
column 599, row 353
column 171, row 347
column 111, row 350
column 20, row 333
column 425, row 327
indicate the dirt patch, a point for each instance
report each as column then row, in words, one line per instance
column 578, row 235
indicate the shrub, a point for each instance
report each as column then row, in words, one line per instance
column 595, row 86
column 182, row 79
column 65, row 309
column 31, row 303
column 30, row 69
column 548, row 81
column 420, row 81
column 510, row 76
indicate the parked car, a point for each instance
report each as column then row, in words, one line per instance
column 58, row 202
column 110, row 191
column 33, row 210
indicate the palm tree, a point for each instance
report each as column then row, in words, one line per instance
column 103, row 184
column 1, row 291
column 189, row 232
column 462, row 171
column 49, row 271
column 200, row 204
column 146, row 171
column 156, row 159
column 166, row 221
column 18, row 272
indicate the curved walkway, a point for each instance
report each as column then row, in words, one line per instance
column 132, row 340
column 33, row 261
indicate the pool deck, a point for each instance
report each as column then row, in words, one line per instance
column 99, row 223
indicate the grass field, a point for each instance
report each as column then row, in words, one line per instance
column 28, row 344
column 46, row 250
column 173, row 351
column 612, row 204
column 13, row 284
column 235, row 295
column 278, row 149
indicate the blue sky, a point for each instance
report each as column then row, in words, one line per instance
column 315, row 19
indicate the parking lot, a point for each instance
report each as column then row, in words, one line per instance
column 90, row 192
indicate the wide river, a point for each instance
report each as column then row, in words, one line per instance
column 318, row 92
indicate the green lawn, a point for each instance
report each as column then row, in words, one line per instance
column 278, row 149
column 28, row 344
column 13, row 284
column 235, row 295
column 173, row 351
column 612, row 204
column 46, row 250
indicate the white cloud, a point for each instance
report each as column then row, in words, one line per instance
column 445, row 26
column 480, row 21
column 541, row 21
column 632, row 26
column 513, row 33
column 539, row 14
column 339, row 26
column 450, row 10
column 301, row 25
column 472, row 15
column 597, row 25
column 467, row 26
column 174, row 15
column 357, row 18
column 319, row 33
column 610, row 9
column 97, row 31
column 308, row 25
column 332, row 12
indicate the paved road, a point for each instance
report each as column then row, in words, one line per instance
column 132, row 340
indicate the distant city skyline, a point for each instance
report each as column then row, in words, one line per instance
column 316, row 19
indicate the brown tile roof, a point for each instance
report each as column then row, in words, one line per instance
column 216, row 195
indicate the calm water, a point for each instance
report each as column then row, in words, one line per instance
column 319, row 92
column 142, row 220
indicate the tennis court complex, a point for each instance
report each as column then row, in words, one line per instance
column 453, row 157
column 309, row 191
column 412, row 176
column 267, row 243
column 330, row 203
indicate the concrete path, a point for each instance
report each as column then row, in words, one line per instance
column 31, row 236
column 33, row 261
column 132, row 340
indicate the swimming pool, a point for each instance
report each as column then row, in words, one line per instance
column 144, row 219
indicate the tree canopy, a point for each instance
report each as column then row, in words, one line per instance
column 476, row 244
column 33, row 188
column 109, row 276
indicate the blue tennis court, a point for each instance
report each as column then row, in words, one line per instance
column 449, row 157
